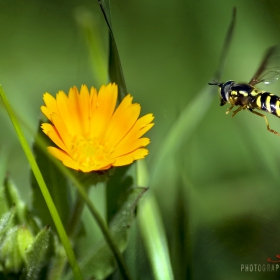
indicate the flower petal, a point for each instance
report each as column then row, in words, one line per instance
column 64, row 157
column 62, row 130
column 84, row 104
column 141, row 127
column 74, row 109
column 51, row 106
column 105, row 165
column 51, row 132
column 124, row 123
column 126, row 102
column 130, row 146
column 129, row 158
column 64, row 112
column 104, row 108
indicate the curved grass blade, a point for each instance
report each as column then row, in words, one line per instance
column 115, row 67
column 187, row 122
column 154, row 238
column 182, row 130
column 226, row 46
column 190, row 117
column 91, row 31
column 152, row 229
column 60, row 229
column 57, row 185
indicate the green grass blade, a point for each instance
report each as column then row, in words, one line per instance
column 226, row 46
column 153, row 234
column 152, row 229
column 90, row 28
column 182, row 129
column 43, row 187
column 56, row 181
column 193, row 113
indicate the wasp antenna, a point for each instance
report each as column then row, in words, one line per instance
column 214, row 83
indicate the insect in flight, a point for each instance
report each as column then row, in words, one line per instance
column 247, row 96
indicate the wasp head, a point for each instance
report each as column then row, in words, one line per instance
column 224, row 90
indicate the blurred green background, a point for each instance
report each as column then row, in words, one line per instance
column 218, row 191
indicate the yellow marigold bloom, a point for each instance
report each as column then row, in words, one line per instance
column 90, row 134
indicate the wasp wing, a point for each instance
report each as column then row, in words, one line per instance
column 269, row 70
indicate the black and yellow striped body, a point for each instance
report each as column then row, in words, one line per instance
column 249, row 97
column 268, row 102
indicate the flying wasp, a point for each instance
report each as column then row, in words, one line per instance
column 247, row 96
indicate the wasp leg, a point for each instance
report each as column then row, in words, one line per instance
column 229, row 109
column 237, row 110
column 266, row 121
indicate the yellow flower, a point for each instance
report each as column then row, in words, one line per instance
column 90, row 134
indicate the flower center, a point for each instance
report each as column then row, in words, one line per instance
column 89, row 152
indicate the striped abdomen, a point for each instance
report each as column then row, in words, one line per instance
column 268, row 102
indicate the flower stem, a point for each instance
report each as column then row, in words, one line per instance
column 103, row 227
column 75, row 217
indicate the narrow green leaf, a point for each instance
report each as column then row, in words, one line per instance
column 152, row 229
column 115, row 68
column 181, row 255
column 57, row 184
column 149, row 217
column 226, row 46
column 190, row 117
column 100, row 262
column 182, row 129
column 91, row 30
column 154, row 238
